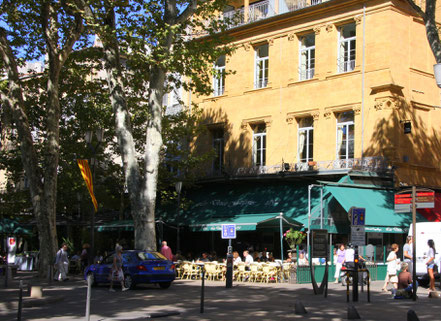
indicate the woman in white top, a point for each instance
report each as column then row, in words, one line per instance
column 392, row 267
column 431, row 263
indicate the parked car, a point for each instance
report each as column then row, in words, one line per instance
column 138, row 267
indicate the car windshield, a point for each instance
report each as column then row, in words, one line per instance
column 151, row 256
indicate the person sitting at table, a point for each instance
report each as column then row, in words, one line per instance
column 204, row 258
column 236, row 257
column 289, row 259
column 247, row 257
column 303, row 261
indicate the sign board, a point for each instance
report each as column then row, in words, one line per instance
column 358, row 216
column 319, row 243
column 424, row 199
column 228, row 231
column 358, row 235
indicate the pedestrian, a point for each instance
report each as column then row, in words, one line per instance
column 85, row 256
column 407, row 254
column 430, row 263
column 117, row 273
column 341, row 253
column 392, row 267
column 166, row 251
column 62, row 263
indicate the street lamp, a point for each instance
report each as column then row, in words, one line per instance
column 178, row 187
column 89, row 138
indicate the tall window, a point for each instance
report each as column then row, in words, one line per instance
column 307, row 57
column 305, row 140
column 259, row 145
column 261, row 67
column 219, row 77
column 218, row 146
column 346, row 48
column 345, row 135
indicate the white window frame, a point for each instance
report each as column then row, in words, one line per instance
column 307, row 69
column 345, row 64
column 307, row 131
column 259, row 152
column 219, row 79
column 260, row 65
column 344, row 126
column 219, row 147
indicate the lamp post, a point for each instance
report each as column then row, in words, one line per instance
column 93, row 148
column 178, row 187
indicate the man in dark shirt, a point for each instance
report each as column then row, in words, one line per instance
column 404, row 283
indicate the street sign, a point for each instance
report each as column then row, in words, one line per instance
column 319, row 243
column 358, row 235
column 358, row 216
column 424, row 199
column 228, row 231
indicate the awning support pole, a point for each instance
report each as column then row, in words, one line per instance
column 321, row 208
column 281, row 236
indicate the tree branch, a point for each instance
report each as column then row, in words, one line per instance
column 188, row 12
column 417, row 9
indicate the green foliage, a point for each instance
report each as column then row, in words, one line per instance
column 294, row 237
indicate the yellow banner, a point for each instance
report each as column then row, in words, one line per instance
column 87, row 175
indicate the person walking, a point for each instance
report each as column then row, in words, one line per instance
column 407, row 254
column 392, row 267
column 62, row 263
column 166, row 251
column 117, row 273
column 341, row 253
column 430, row 263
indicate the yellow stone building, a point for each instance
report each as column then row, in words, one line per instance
column 326, row 86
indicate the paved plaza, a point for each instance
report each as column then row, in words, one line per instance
column 245, row 301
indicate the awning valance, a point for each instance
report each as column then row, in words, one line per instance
column 245, row 222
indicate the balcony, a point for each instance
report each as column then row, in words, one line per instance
column 265, row 9
column 366, row 164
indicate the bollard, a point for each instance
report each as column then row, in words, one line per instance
column 300, row 308
column 353, row 313
column 202, row 288
column 20, row 301
column 89, row 289
column 412, row 316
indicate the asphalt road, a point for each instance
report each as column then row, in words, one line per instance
column 245, row 301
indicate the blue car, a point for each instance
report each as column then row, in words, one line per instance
column 138, row 267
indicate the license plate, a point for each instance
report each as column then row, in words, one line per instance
column 158, row 268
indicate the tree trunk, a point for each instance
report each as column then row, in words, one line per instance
column 432, row 30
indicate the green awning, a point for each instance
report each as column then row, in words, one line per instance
column 123, row 225
column 245, row 222
column 379, row 205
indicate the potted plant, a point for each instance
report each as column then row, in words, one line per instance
column 294, row 237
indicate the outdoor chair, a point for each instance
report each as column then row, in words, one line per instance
column 256, row 272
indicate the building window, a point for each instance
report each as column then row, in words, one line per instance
column 219, row 77
column 345, row 135
column 218, row 146
column 261, row 67
column 307, row 57
column 305, row 140
column 346, row 48
column 259, row 145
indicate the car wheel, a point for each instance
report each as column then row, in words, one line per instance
column 92, row 279
column 164, row 285
column 128, row 281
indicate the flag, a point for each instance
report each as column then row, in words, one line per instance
column 87, row 175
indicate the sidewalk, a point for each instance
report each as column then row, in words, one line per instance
column 245, row 301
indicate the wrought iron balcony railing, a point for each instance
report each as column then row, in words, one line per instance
column 367, row 164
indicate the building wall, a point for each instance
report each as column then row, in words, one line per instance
column 398, row 85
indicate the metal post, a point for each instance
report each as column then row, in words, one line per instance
column 178, row 187
column 6, row 262
column 202, row 289
column 229, row 272
column 20, row 301
column 89, row 287
column 92, row 218
column 355, row 277
column 309, row 220
column 321, row 208
column 281, row 237
column 414, row 287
